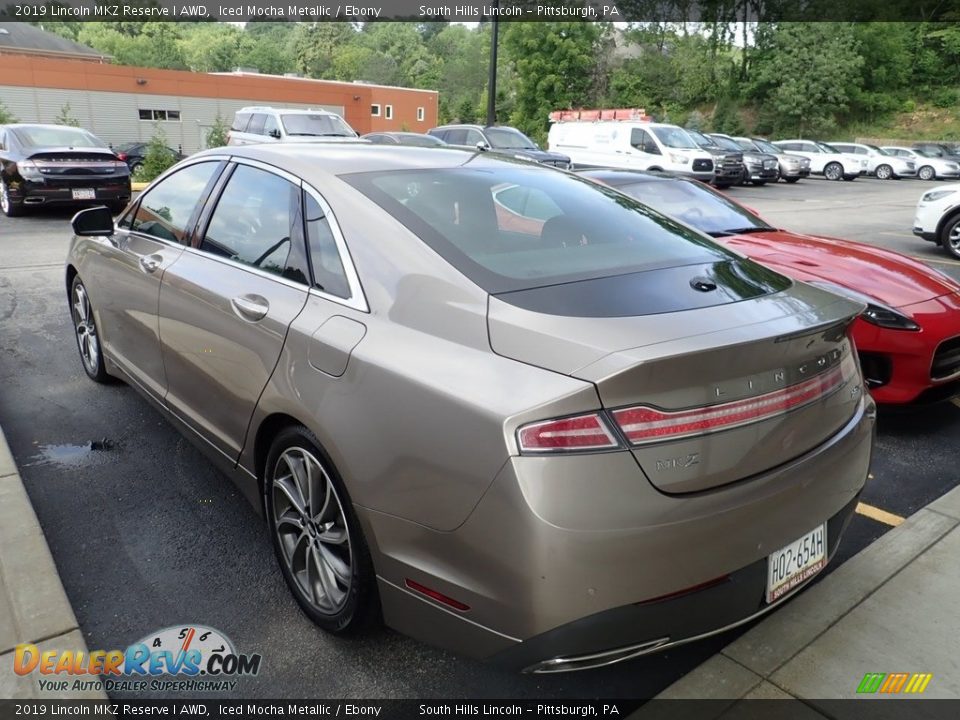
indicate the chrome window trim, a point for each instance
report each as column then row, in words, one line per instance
column 357, row 299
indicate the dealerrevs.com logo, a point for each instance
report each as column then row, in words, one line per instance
column 188, row 658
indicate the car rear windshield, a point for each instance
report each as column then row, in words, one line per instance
column 509, row 227
column 57, row 137
column 509, row 139
column 316, row 125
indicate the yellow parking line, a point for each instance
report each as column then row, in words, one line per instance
column 875, row 513
column 935, row 260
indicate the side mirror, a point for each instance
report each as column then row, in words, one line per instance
column 95, row 221
column 275, row 133
column 482, row 146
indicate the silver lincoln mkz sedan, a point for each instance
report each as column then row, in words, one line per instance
column 509, row 411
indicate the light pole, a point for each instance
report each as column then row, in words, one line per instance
column 492, row 80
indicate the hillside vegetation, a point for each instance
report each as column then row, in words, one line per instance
column 822, row 78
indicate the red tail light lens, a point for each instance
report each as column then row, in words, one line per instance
column 646, row 424
column 583, row 432
column 122, row 156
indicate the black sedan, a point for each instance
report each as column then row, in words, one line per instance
column 134, row 153
column 57, row 165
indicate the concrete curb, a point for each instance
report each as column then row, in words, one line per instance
column 138, row 186
column 34, row 608
column 754, row 664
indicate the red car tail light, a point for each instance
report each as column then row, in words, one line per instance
column 646, row 424
column 122, row 156
column 583, row 432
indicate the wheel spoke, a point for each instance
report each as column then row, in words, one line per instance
column 337, row 566
column 287, row 486
column 333, row 536
column 326, row 579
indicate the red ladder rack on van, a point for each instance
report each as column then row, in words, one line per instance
column 600, row 114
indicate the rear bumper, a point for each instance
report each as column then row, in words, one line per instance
column 61, row 192
column 564, row 556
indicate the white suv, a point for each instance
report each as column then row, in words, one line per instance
column 267, row 124
column 826, row 160
column 938, row 218
column 880, row 163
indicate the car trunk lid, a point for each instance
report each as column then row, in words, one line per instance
column 787, row 350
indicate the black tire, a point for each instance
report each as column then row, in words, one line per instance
column 927, row 173
column 86, row 333
column 354, row 608
column 135, row 167
column 759, row 182
column 10, row 207
column 792, row 180
column 950, row 236
column 833, row 171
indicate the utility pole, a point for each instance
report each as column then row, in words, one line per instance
column 492, row 79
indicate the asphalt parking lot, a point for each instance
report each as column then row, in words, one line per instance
column 146, row 534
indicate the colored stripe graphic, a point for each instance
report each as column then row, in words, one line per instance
column 871, row 682
column 894, row 683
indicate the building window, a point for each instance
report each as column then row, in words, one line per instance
column 420, row 114
column 173, row 115
column 388, row 112
column 375, row 111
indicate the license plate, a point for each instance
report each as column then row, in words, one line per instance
column 797, row 562
column 84, row 194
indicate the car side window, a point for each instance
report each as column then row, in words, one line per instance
column 253, row 220
column 165, row 210
column 257, row 123
column 474, row 137
column 456, row 137
column 328, row 272
column 810, row 147
column 240, row 122
column 642, row 140
column 271, row 127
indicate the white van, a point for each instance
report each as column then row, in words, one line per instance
column 252, row 125
column 635, row 145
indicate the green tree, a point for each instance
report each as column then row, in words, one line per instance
column 217, row 134
column 157, row 158
column 65, row 118
column 554, row 63
column 210, row 47
column 808, row 73
column 5, row 115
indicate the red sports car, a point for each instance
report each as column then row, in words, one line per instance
column 909, row 335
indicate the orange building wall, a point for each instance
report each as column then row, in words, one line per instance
column 356, row 99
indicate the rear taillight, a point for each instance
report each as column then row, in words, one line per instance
column 122, row 156
column 643, row 425
column 583, row 432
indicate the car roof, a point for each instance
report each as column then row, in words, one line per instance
column 269, row 109
column 14, row 126
column 305, row 159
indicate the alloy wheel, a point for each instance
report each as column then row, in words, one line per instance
column 833, row 171
column 86, row 329
column 311, row 529
column 953, row 239
column 926, row 173
column 884, row 172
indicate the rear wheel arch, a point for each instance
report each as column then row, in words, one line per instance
column 267, row 432
column 71, row 274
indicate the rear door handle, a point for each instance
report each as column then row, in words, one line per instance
column 150, row 263
column 251, row 307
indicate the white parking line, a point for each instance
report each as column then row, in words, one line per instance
column 935, row 260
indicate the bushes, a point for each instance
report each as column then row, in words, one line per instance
column 217, row 134
column 157, row 158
